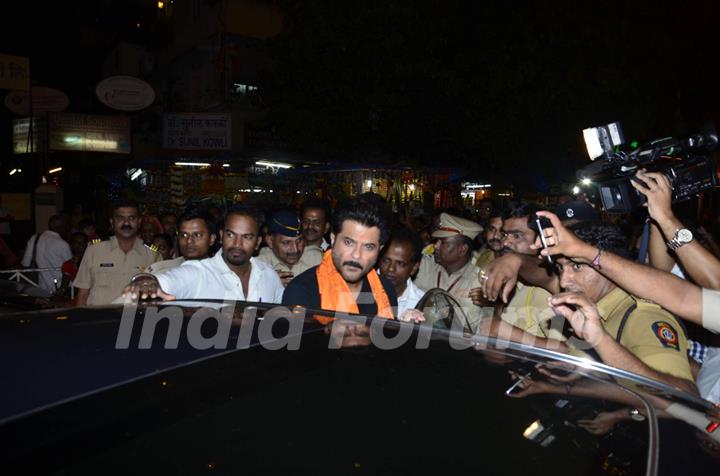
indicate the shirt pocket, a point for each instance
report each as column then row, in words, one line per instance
column 104, row 278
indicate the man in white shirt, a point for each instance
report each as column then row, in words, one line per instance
column 315, row 223
column 51, row 252
column 400, row 261
column 196, row 237
column 232, row 274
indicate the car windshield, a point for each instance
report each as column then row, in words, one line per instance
column 189, row 387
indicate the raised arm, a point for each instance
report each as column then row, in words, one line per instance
column 674, row 294
column 699, row 264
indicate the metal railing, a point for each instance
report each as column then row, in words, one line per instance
column 18, row 275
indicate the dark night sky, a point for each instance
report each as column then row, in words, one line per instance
column 498, row 87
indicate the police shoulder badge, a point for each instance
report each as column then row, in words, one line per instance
column 666, row 334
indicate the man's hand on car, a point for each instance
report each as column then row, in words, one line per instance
column 412, row 315
column 145, row 287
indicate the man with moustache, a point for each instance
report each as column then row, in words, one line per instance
column 451, row 266
column 232, row 274
column 492, row 235
column 286, row 251
column 196, row 236
column 345, row 280
column 107, row 266
column 315, row 223
column 528, row 309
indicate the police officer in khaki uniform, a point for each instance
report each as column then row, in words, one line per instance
column 108, row 266
column 451, row 266
column 650, row 332
column 528, row 309
column 286, row 251
column 647, row 331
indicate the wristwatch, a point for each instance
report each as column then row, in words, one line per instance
column 635, row 414
column 683, row 236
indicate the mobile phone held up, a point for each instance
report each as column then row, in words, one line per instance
column 539, row 224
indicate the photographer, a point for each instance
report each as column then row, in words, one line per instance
column 696, row 304
column 699, row 264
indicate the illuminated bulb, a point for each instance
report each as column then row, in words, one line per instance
column 575, row 190
column 586, row 181
column 368, row 183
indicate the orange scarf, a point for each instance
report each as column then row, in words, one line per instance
column 335, row 295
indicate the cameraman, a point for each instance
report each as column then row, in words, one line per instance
column 698, row 263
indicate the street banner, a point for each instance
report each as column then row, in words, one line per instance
column 202, row 131
column 89, row 133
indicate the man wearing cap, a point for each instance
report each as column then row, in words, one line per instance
column 575, row 212
column 286, row 251
column 451, row 267
column 528, row 309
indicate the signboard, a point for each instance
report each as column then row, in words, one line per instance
column 125, row 93
column 188, row 131
column 14, row 72
column 43, row 100
column 89, row 133
column 21, row 136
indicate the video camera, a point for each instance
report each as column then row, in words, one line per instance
column 684, row 161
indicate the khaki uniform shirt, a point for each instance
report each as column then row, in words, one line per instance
column 312, row 256
column 106, row 269
column 164, row 265
column 484, row 258
column 458, row 285
column 529, row 310
column 650, row 332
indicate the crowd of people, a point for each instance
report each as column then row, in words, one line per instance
column 628, row 311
